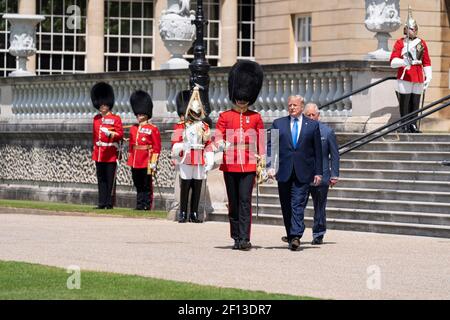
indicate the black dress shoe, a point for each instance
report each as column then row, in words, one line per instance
column 284, row 239
column 109, row 207
column 413, row 129
column 236, row 245
column 138, row 208
column 183, row 217
column 193, row 217
column 317, row 241
column 99, row 207
column 295, row 244
column 245, row 245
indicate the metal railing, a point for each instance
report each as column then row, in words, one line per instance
column 390, row 127
column 357, row 91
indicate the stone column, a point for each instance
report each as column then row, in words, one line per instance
column 228, row 22
column 95, row 49
column 160, row 53
column 28, row 7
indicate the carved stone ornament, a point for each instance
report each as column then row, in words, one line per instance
column 382, row 17
column 22, row 40
column 177, row 32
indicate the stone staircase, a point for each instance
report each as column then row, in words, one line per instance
column 395, row 184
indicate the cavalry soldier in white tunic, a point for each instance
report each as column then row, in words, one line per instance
column 192, row 149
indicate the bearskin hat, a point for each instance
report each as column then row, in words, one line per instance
column 182, row 101
column 102, row 94
column 245, row 81
column 141, row 103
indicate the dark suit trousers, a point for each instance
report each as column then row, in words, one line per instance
column 144, row 187
column 319, row 196
column 293, row 198
column 239, row 190
column 105, row 179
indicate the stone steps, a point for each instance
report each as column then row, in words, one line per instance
column 429, row 230
column 407, row 146
column 397, row 155
column 371, row 204
column 367, row 214
column 401, row 195
column 343, row 137
column 390, row 174
column 438, row 186
column 371, row 164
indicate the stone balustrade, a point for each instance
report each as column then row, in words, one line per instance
column 68, row 96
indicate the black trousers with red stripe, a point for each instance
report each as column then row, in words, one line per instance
column 105, row 178
column 239, row 191
column 144, row 187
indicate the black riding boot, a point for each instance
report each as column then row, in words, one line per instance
column 414, row 104
column 195, row 200
column 403, row 101
column 184, row 197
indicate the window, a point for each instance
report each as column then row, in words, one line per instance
column 129, row 35
column 61, row 37
column 246, row 29
column 211, row 10
column 303, row 39
column 7, row 61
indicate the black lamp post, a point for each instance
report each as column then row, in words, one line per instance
column 199, row 66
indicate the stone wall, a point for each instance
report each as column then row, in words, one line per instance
column 54, row 161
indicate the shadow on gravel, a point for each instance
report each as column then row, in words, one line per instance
column 230, row 247
column 286, row 248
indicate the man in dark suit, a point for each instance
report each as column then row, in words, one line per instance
column 300, row 164
column 330, row 153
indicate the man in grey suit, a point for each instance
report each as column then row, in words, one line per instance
column 330, row 154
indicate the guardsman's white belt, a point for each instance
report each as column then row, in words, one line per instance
column 197, row 146
column 107, row 144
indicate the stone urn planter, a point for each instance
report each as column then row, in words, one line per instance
column 382, row 17
column 22, row 40
column 177, row 32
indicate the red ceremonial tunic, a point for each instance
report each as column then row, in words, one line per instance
column 415, row 73
column 245, row 132
column 194, row 156
column 145, row 141
column 105, row 148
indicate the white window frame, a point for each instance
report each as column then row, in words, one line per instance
column 302, row 38
column 240, row 39
column 63, row 52
column 119, row 37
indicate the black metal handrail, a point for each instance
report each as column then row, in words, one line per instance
column 357, row 91
column 412, row 120
column 397, row 121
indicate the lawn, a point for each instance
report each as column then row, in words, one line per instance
column 66, row 207
column 27, row 281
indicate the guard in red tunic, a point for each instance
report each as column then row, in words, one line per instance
column 410, row 56
column 239, row 134
column 192, row 151
column 144, row 149
column 107, row 136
